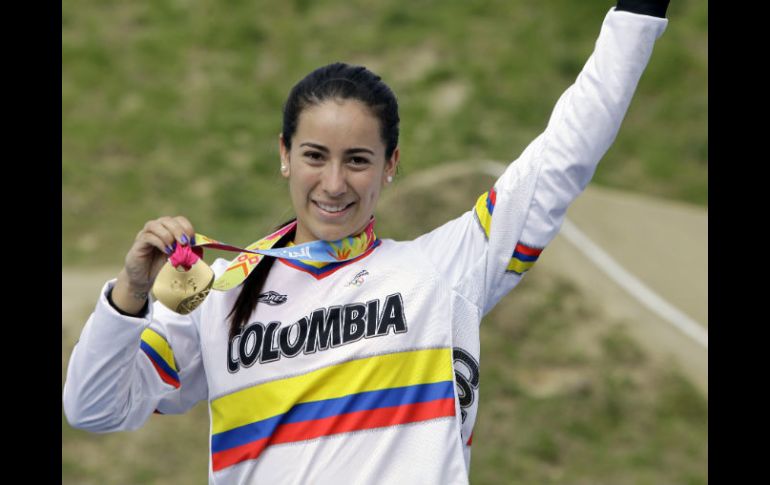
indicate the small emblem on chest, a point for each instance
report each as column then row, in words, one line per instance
column 358, row 279
column 272, row 298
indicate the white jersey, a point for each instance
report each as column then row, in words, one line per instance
column 365, row 371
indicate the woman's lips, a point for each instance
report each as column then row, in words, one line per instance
column 333, row 210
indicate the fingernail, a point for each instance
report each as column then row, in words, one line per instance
column 173, row 245
column 184, row 239
column 169, row 250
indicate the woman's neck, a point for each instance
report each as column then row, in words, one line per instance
column 302, row 235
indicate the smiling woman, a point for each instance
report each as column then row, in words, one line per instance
column 336, row 169
column 361, row 366
column 338, row 149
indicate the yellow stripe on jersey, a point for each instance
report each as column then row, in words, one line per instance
column 485, row 206
column 368, row 374
column 160, row 346
column 519, row 266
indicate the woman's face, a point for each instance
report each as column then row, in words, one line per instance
column 336, row 169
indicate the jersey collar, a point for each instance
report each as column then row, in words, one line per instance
column 346, row 251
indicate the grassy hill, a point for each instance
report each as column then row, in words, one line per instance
column 174, row 107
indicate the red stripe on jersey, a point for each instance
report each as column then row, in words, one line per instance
column 163, row 375
column 528, row 250
column 249, row 451
column 342, row 423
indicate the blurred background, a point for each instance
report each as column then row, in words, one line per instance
column 174, row 107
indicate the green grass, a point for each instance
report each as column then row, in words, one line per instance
column 167, row 450
column 616, row 418
column 174, row 109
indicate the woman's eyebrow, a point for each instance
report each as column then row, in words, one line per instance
column 324, row 149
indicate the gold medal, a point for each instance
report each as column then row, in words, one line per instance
column 182, row 291
column 185, row 280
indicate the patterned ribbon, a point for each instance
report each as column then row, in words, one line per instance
column 317, row 251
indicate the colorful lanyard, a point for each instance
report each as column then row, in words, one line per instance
column 320, row 251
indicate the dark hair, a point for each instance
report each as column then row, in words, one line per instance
column 344, row 81
column 334, row 81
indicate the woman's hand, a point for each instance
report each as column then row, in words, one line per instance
column 151, row 248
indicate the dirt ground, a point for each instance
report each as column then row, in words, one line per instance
column 665, row 245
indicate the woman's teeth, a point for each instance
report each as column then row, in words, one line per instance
column 331, row 208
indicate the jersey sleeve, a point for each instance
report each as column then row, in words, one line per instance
column 485, row 252
column 123, row 369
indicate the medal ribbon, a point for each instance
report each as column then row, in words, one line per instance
column 319, row 251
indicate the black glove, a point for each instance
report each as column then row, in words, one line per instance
column 655, row 8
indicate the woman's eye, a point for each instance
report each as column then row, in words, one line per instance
column 359, row 161
column 313, row 155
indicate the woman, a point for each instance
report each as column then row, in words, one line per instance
column 364, row 370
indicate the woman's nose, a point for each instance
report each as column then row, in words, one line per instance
column 333, row 180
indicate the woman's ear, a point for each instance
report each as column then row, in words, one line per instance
column 285, row 168
column 391, row 165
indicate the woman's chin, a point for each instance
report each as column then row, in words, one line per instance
column 325, row 230
column 324, row 233
column 332, row 235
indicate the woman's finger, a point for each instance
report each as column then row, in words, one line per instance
column 187, row 227
column 179, row 227
column 166, row 230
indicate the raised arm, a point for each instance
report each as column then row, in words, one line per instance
column 587, row 117
column 485, row 252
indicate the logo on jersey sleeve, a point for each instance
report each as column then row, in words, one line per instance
column 322, row 330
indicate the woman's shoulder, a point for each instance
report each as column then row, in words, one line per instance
column 395, row 244
column 405, row 251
